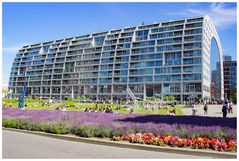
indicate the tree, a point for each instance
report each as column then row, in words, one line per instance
column 68, row 98
column 4, row 91
column 234, row 98
column 165, row 98
column 171, row 98
column 83, row 98
column 153, row 98
column 78, row 98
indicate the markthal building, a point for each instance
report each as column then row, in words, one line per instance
column 159, row 59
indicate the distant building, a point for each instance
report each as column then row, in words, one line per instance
column 230, row 76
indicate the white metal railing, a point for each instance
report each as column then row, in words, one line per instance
column 135, row 99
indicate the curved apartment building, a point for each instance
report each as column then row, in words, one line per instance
column 167, row 58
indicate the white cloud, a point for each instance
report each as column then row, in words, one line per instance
column 222, row 16
column 4, row 86
column 13, row 49
column 10, row 49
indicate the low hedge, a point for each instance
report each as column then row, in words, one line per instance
column 35, row 126
column 82, row 130
column 93, row 131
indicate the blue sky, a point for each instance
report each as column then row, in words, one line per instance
column 28, row 23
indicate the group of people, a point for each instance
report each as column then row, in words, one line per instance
column 226, row 108
column 195, row 106
column 171, row 112
column 118, row 101
column 215, row 102
column 106, row 109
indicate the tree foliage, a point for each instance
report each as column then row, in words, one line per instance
column 171, row 98
column 83, row 98
column 234, row 98
column 4, row 91
column 165, row 98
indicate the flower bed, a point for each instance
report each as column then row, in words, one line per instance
column 174, row 141
column 120, row 125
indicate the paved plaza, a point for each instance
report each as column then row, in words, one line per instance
column 22, row 146
column 213, row 110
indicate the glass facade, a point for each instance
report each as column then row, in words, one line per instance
column 230, row 77
column 161, row 58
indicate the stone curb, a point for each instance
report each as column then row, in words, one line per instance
column 185, row 151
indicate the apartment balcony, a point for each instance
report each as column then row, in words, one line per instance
column 120, row 74
column 89, row 76
column 106, row 75
column 36, row 92
column 19, row 55
column 106, row 82
column 91, row 57
column 122, row 53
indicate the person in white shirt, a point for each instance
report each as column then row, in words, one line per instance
column 194, row 109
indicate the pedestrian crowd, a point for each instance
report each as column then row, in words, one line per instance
column 226, row 108
column 102, row 109
column 107, row 109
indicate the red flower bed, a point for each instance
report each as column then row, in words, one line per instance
column 195, row 143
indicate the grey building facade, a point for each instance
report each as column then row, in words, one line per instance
column 230, row 76
column 167, row 58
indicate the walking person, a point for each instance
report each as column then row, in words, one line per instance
column 194, row 108
column 224, row 110
column 205, row 108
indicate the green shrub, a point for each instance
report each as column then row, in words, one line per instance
column 171, row 98
column 131, row 130
column 35, row 126
column 183, row 134
column 24, row 125
column 68, row 98
column 196, row 134
column 119, row 132
column 78, row 98
column 93, row 131
column 83, row 98
column 58, row 129
column 104, row 132
column 9, row 123
column 234, row 98
column 70, row 103
column 18, row 124
column 165, row 98
column 83, row 130
column 86, row 131
column 219, row 134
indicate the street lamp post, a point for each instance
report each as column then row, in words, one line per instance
column 21, row 99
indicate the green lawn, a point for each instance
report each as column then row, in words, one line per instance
column 161, row 111
column 76, row 106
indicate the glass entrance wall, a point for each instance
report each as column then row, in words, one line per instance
column 215, row 71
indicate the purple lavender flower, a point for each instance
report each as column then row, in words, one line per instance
column 183, row 126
